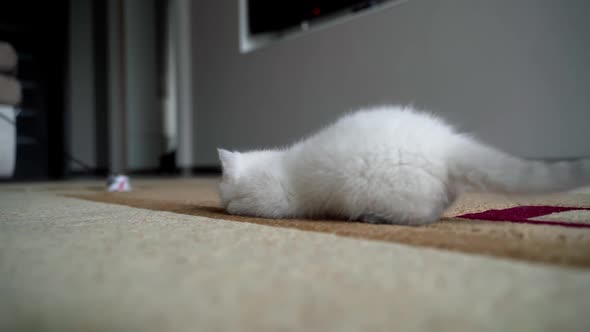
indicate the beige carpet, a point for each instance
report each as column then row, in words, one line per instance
column 73, row 265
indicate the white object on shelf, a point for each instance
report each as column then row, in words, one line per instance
column 7, row 140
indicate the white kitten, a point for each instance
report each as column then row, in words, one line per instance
column 382, row 165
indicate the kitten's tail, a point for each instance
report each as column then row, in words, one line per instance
column 479, row 167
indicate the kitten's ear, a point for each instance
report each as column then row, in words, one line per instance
column 228, row 161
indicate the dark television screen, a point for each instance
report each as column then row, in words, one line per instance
column 266, row 16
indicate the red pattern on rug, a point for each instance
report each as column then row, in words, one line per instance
column 524, row 214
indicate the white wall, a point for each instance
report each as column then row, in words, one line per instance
column 516, row 73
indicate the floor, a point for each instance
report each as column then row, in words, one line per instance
column 71, row 264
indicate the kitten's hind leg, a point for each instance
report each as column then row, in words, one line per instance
column 422, row 212
column 376, row 219
column 373, row 218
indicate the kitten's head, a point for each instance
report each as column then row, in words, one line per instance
column 252, row 184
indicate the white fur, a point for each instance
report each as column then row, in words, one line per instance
column 381, row 165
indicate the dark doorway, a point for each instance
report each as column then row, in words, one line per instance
column 38, row 30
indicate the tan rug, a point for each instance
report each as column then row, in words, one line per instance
column 521, row 241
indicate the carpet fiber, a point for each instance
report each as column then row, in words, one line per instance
column 73, row 265
column 529, row 237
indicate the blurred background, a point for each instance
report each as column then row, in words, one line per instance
column 153, row 87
